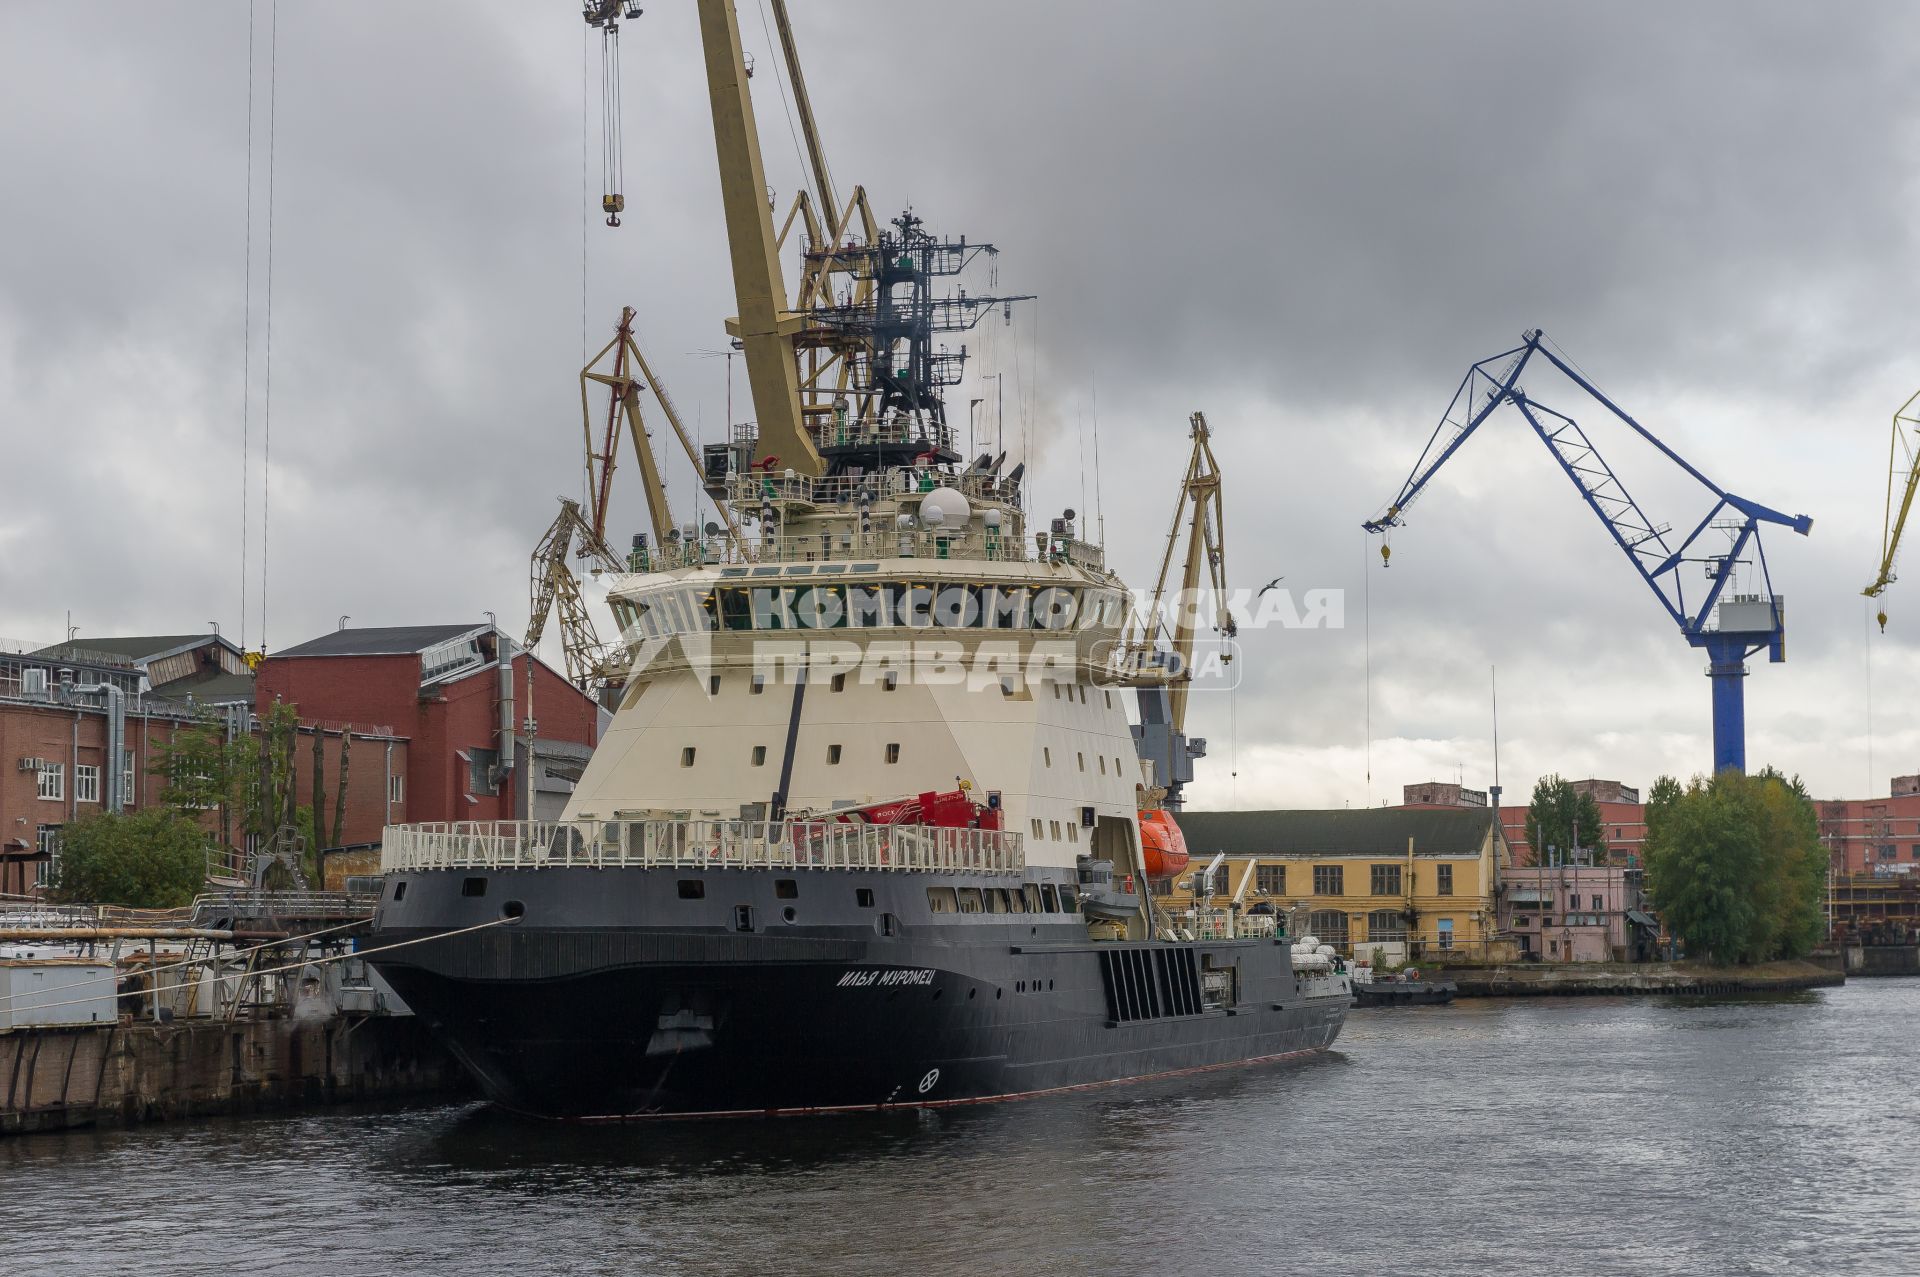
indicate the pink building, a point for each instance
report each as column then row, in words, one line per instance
column 1577, row 913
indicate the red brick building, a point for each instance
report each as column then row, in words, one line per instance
column 447, row 718
column 1862, row 835
column 58, row 725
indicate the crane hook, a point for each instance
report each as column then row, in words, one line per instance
column 1882, row 618
column 1386, row 555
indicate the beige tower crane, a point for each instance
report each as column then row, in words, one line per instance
column 1902, row 478
column 1165, row 674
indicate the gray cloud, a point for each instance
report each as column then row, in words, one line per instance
column 1306, row 220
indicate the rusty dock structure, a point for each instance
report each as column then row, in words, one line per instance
column 248, row 1000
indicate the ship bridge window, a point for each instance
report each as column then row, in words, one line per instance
column 997, row 900
column 1049, row 901
column 941, row 900
column 969, row 899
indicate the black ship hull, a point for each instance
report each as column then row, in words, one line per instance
column 848, row 1005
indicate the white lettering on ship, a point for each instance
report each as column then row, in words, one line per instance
column 884, row 977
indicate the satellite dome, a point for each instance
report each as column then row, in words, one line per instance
column 945, row 508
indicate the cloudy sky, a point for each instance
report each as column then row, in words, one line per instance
column 1306, row 220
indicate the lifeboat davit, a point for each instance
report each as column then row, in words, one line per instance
column 1163, row 847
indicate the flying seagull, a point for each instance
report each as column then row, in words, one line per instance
column 1269, row 585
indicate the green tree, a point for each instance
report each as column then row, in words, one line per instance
column 143, row 860
column 1735, row 865
column 204, row 775
column 1559, row 817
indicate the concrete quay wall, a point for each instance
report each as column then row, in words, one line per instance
column 85, row 1075
column 1561, row 980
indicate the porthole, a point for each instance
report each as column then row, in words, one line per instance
column 513, row 909
column 789, row 913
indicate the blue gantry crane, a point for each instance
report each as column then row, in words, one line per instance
column 1729, row 627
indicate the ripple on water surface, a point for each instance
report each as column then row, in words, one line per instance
column 1753, row 1135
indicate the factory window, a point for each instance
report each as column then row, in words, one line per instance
column 481, row 771
column 1523, row 922
column 1270, row 880
column 686, row 756
column 941, row 900
column 1553, row 946
column 1546, row 920
column 53, row 782
column 833, row 755
column 1443, row 880
column 759, row 684
column 46, row 840
column 1573, row 900
column 126, row 779
column 1386, row 925
column 839, row 682
column 86, row 783
column 1329, row 880
column 396, row 788
column 1887, row 850
column 1446, row 933
column 1598, row 904
column 1386, row 880
column 893, row 752
column 1330, row 925
column 759, row 755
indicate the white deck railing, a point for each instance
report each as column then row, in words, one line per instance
column 704, row 844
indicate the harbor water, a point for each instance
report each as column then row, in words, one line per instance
column 1763, row 1134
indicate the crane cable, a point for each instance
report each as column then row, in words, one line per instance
column 266, row 403
column 246, row 347
column 612, row 168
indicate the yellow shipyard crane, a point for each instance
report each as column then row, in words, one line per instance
column 1902, row 478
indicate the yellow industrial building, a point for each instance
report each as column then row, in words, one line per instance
column 1416, row 882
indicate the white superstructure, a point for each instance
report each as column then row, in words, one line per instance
column 883, row 635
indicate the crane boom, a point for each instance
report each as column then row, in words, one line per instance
column 1905, row 444
column 764, row 325
column 1728, row 628
column 1165, row 675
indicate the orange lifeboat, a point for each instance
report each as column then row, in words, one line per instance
column 1163, row 848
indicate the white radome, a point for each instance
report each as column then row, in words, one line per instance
column 945, row 508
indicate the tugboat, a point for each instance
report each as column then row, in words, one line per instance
column 1401, row 989
column 868, row 828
